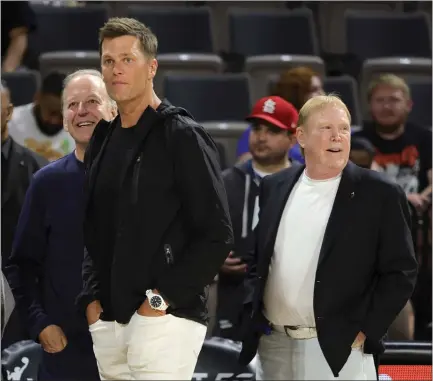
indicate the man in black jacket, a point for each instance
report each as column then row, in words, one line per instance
column 17, row 169
column 272, row 136
column 157, row 227
column 334, row 260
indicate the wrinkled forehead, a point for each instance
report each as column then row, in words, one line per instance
column 328, row 115
column 83, row 87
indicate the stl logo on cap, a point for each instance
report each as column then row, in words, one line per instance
column 269, row 106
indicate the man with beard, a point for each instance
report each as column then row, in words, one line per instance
column 272, row 136
column 39, row 125
column 44, row 271
column 403, row 150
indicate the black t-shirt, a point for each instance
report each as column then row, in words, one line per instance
column 15, row 14
column 406, row 159
column 104, row 205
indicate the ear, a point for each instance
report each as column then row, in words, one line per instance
column 153, row 68
column 113, row 111
column 65, row 124
column 293, row 139
column 37, row 97
column 10, row 110
column 300, row 136
column 409, row 105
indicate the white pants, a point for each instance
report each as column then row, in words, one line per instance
column 147, row 348
column 280, row 357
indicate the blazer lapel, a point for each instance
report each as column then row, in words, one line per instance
column 340, row 210
column 15, row 165
column 277, row 204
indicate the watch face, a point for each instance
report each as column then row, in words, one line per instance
column 155, row 301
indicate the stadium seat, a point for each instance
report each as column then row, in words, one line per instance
column 210, row 98
column 421, row 90
column 260, row 68
column 330, row 20
column 67, row 62
column 185, row 43
column 67, row 28
column 189, row 64
column 227, row 135
column 23, row 86
column 346, row 87
column 264, row 32
column 387, row 34
column 179, row 29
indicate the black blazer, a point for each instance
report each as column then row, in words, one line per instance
column 366, row 271
column 21, row 165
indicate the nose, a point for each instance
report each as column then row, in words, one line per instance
column 261, row 135
column 117, row 69
column 336, row 136
column 82, row 110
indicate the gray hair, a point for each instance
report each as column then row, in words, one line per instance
column 81, row 72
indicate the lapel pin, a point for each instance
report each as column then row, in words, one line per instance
column 352, row 195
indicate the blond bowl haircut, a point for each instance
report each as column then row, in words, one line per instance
column 390, row 80
column 318, row 103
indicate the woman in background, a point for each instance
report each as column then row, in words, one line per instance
column 296, row 86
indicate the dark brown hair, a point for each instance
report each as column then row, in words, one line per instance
column 294, row 85
column 123, row 26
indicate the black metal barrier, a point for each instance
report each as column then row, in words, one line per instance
column 218, row 361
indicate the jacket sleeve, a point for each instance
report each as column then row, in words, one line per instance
column 25, row 268
column 396, row 266
column 198, row 180
column 90, row 291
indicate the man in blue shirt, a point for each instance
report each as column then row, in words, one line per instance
column 45, row 267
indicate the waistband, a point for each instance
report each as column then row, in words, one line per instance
column 296, row 332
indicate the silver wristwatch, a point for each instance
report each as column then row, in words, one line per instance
column 156, row 301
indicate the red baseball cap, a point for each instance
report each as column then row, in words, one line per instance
column 276, row 111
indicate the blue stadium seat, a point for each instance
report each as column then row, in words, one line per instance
column 67, row 28
column 210, row 98
column 179, row 29
column 421, row 91
column 387, row 34
column 261, row 32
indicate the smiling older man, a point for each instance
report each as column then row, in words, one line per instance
column 45, row 266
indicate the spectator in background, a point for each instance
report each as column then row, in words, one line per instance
column 39, row 125
column 17, row 21
column 272, row 135
column 45, row 267
column 403, row 150
column 17, row 167
column 296, row 86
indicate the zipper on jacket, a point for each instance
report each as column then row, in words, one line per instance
column 169, row 258
column 135, row 180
